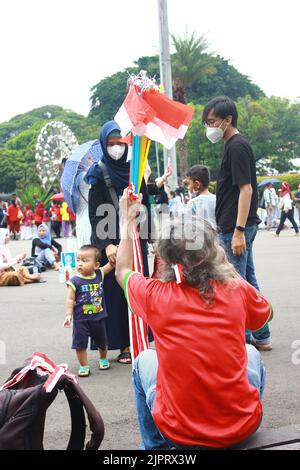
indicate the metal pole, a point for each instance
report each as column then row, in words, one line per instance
column 166, row 79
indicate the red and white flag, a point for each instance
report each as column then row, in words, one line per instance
column 44, row 366
column 154, row 116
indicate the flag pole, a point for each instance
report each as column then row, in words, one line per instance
column 166, row 80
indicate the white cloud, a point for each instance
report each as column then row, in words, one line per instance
column 54, row 52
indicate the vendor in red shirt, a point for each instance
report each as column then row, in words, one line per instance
column 202, row 387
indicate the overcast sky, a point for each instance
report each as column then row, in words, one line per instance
column 53, row 52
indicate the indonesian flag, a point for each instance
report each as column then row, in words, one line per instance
column 133, row 112
column 44, row 366
column 155, row 116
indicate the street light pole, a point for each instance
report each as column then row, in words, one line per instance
column 166, row 79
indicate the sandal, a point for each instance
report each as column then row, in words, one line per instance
column 104, row 364
column 124, row 358
column 84, row 371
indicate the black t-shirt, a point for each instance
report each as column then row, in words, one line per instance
column 237, row 168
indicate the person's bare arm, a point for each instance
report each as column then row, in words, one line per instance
column 128, row 210
column 69, row 307
column 107, row 268
column 238, row 244
column 160, row 181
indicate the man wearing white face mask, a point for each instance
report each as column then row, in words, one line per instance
column 237, row 196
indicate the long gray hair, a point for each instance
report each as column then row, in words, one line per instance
column 192, row 243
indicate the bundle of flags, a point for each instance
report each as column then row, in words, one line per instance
column 147, row 114
column 152, row 114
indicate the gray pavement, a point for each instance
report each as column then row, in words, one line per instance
column 31, row 320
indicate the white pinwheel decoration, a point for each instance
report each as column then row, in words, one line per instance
column 55, row 144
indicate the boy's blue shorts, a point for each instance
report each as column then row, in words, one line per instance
column 83, row 330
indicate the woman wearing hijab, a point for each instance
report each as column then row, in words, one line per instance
column 287, row 209
column 45, row 248
column 117, row 167
column 10, row 274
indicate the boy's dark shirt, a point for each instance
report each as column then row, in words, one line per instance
column 237, row 169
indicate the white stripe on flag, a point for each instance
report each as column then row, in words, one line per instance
column 123, row 120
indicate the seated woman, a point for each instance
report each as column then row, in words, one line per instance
column 10, row 274
column 45, row 248
column 202, row 387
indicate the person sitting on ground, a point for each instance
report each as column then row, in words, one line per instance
column 85, row 305
column 202, row 387
column 45, row 248
column 202, row 202
column 10, row 273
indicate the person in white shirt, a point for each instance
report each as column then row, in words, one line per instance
column 202, row 203
column 270, row 198
column 287, row 209
column 176, row 206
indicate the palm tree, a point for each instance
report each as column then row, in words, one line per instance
column 189, row 63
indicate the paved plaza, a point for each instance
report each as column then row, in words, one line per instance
column 31, row 319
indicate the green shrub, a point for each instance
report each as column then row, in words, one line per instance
column 26, row 195
column 292, row 179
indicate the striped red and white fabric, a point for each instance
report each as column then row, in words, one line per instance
column 44, row 366
column 154, row 115
column 137, row 327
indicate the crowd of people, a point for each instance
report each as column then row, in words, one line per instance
column 23, row 221
column 197, row 298
column 217, row 293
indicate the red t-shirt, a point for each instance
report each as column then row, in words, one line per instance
column 13, row 213
column 203, row 395
column 58, row 214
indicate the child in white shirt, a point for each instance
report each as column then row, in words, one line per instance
column 202, row 203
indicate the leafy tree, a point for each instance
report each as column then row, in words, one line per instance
column 26, row 195
column 107, row 96
column 225, row 81
column 189, row 63
column 272, row 126
column 18, row 140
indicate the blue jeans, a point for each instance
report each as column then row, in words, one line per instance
column 144, row 381
column 244, row 265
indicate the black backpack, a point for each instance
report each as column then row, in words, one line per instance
column 33, row 265
column 25, row 398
